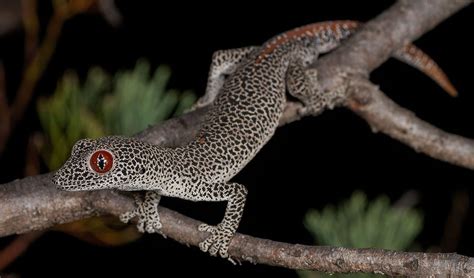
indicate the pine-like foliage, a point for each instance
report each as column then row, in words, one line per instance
column 103, row 105
column 358, row 223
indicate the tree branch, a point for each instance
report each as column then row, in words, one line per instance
column 386, row 116
column 34, row 203
column 402, row 23
column 366, row 50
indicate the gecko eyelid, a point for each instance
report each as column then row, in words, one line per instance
column 101, row 161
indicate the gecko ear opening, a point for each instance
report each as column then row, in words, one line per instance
column 101, row 161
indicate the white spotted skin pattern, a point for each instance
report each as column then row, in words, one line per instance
column 243, row 117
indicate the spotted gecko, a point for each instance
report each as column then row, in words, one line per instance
column 246, row 90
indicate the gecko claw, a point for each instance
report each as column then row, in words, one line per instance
column 217, row 242
column 148, row 224
column 206, row 228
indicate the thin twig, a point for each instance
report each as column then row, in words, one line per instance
column 38, row 63
column 40, row 58
column 31, row 26
column 455, row 221
column 4, row 110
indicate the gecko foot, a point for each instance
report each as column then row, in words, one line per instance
column 148, row 217
column 217, row 242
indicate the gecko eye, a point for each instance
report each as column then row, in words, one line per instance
column 101, row 161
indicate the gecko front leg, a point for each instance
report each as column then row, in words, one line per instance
column 220, row 235
column 224, row 62
column 147, row 212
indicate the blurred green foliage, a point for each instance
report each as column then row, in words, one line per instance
column 358, row 223
column 104, row 105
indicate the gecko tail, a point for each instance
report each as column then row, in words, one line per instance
column 416, row 58
column 409, row 54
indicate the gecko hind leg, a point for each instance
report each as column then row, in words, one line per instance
column 224, row 62
column 147, row 212
column 303, row 85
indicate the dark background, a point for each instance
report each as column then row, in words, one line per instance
column 308, row 164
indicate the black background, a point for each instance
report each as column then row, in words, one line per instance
column 308, row 164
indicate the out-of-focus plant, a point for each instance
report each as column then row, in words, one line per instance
column 140, row 100
column 38, row 53
column 358, row 223
column 40, row 42
column 102, row 105
column 71, row 114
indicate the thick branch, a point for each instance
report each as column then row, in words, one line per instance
column 399, row 123
column 34, row 203
column 404, row 22
column 370, row 47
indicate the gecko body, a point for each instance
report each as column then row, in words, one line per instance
column 247, row 93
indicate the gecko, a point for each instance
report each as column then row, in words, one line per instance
column 246, row 92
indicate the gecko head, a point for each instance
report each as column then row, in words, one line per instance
column 112, row 162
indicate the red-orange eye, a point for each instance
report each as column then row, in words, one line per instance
column 101, row 161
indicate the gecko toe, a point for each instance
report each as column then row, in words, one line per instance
column 217, row 242
column 149, row 229
column 141, row 226
column 204, row 246
column 224, row 254
column 234, row 262
column 214, row 249
column 153, row 226
column 127, row 216
column 206, row 228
